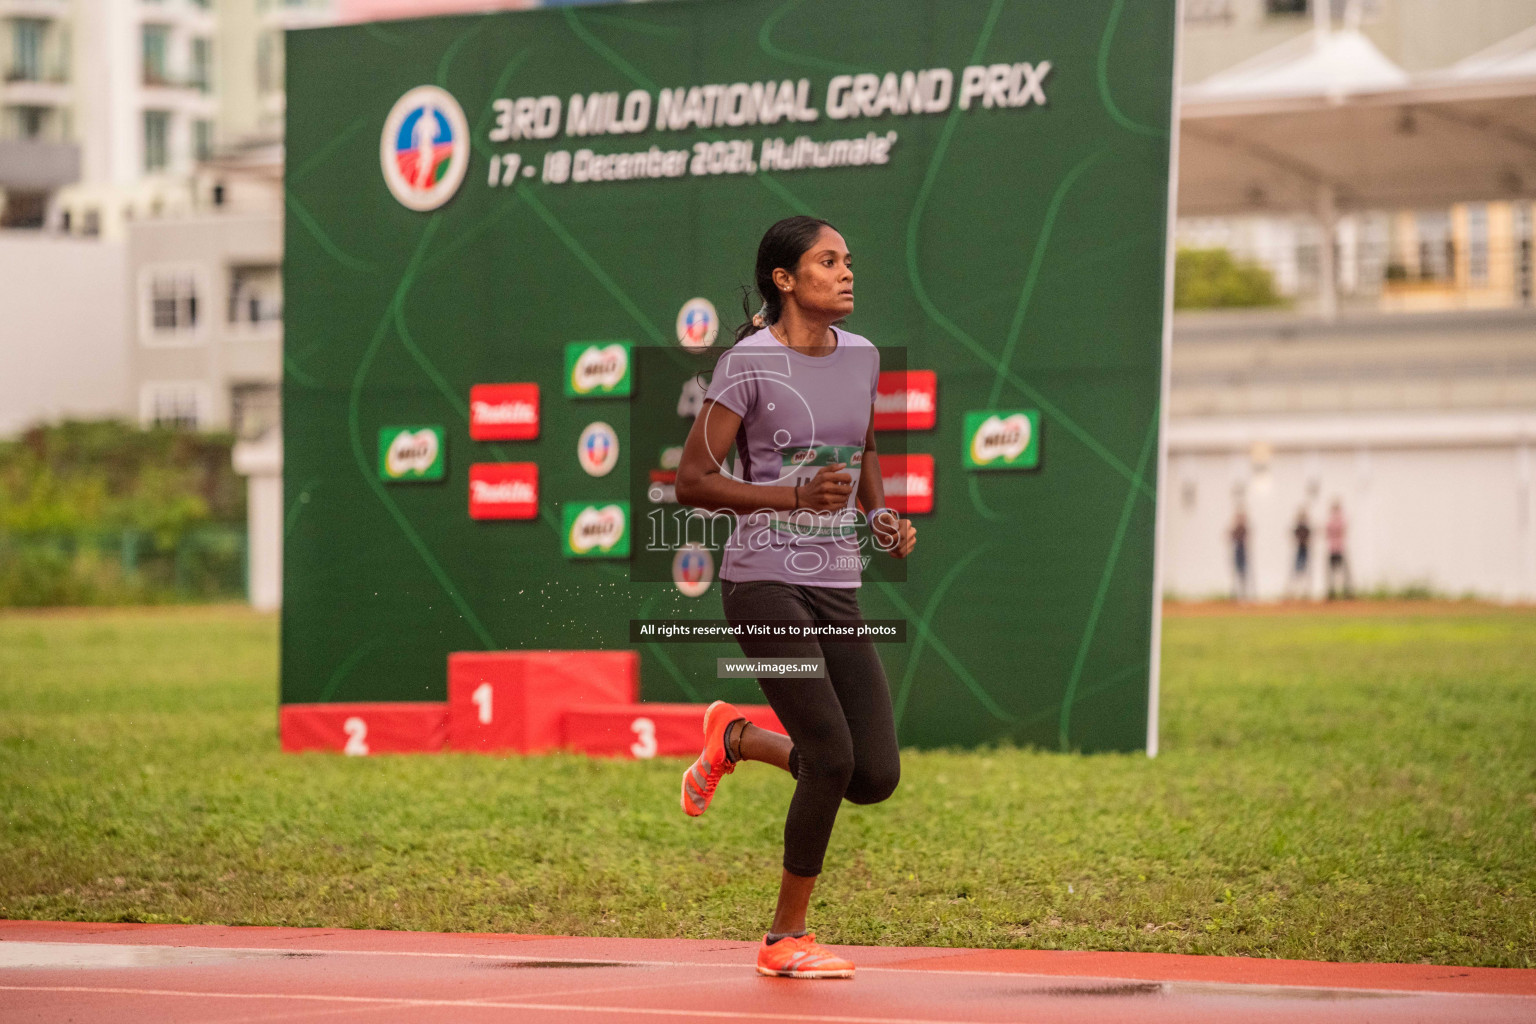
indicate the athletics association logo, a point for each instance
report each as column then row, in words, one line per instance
column 598, row 449
column 504, row 412
column 504, row 490
column 1002, row 439
column 693, row 568
column 424, row 148
column 906, row 400
column 698, row 325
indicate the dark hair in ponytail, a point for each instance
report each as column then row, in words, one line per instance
column 781, row 247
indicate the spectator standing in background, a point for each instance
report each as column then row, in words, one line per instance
column 1239, row 537
column 1338, row 564
column 1302, row 531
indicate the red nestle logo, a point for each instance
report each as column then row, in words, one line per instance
column 907, row 400
column 504, row 412
column 908, row 481
column 504, row 490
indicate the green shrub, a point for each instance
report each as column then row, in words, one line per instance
column 1211, row 279
column 107, row 513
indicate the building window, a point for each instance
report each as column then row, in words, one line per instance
column 172, row 405
column 1338, row 10
column 1477, row 245
column 202, row 64
column 1436, row 251
column 1208, row 12
column 255, row 294
column 156, row 42
column 269, row 62
column 23, row 209
column 173, row 302
column 26, row 123
column 157, row 131
column 31, row 122
column 202, row 139
column 1524, row 270
column 255, row 410
column 26, row 50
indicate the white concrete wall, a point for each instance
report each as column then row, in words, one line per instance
column 1444, row 501
column 63, row 334
column 261, row 463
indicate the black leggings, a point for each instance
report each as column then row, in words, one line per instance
column 842, row 727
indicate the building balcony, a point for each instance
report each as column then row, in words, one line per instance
column 290, row 14
column 32, row 165
column 195, row 83
column 181, row 98
column 41, row 9
column 34, row 92
column 183, row 14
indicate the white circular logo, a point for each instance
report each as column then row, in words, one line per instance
column 598, row 449
column 424, row 149
column 693, row 567
column 698, row 325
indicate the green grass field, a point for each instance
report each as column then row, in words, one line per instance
column 1332, row 786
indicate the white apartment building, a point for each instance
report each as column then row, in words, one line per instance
column 143, row 92
column 128, row 86
column 152, row 129
column 38, row 151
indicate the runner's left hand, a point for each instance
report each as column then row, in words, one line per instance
column 898, row 539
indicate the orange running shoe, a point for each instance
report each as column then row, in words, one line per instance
column 801, row 957
column 701, row 778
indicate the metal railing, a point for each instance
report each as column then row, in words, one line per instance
column 1436, row 273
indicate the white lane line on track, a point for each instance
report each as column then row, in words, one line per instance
column 737, row 966
column 472, row 1004
column 306, row 1014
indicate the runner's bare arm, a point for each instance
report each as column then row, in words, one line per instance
column 897, row 539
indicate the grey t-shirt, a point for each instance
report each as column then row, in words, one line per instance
column 798, row 413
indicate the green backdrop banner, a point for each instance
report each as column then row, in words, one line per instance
column 572, row 199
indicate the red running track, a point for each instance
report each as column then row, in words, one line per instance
column 219, row 975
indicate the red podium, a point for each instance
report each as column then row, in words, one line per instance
column 385, row 728
column 647, row 730
column 515, row 700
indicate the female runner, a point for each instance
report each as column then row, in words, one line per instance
column 795, row 395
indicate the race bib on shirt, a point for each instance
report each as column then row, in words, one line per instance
column 799, row 466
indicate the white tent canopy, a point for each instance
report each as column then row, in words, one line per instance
column 1326, row 122
column 1319, row 64
column 1333, row 115
column 1514, row 58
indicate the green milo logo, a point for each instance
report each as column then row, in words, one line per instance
column 410, row 454
column 598, row 369
column 595, row 531
column 850, row 456
column 1002, row 439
